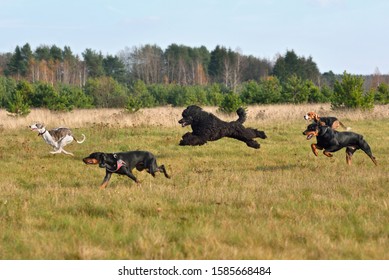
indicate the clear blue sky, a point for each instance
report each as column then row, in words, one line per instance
column 340, row 35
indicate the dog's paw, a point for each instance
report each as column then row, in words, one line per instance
column 328, row 154
column 253, row 144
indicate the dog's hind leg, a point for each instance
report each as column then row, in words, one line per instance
column 153, row 167
column 260, row 134
column 250, row 133
column 62, row 143
column 249, row 142
column 349, row 153
column 162, row 169
column 60, row 150
column 65, row 141
column 66, row 153
column 366, row 148
column 246, row 136
column 56, row 151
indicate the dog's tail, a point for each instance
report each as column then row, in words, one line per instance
column 81, row 141
column 242, row 115
column 344, row 127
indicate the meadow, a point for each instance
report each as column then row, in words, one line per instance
column 224, row 200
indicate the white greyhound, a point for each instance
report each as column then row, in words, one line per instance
column 57, row 137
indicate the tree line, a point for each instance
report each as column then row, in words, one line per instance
column 177, row 64
column 148, row 76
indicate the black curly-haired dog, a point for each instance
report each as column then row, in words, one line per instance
column 208, row 127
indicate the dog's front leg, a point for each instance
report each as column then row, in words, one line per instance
column 106, row 180
column 314, row 148
column 189, row 139
column 131, row 175
column 332, row 149
column 326, row 153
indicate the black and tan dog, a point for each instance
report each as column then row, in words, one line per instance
column 332, row 122
column 331, row 141
column 123, row 164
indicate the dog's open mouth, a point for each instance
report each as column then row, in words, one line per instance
column 309, row 134
column 183, row 123
column 90, row 161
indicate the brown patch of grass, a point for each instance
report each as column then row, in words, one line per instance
column 169, row 116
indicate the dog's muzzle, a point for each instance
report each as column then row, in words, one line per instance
column 183, row 123
column 310, row 134
column 90, row 160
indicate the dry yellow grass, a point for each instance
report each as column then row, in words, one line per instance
column 168, row 116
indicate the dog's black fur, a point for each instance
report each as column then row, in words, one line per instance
column 331, row 141
column 123, row 163
column 208, row 127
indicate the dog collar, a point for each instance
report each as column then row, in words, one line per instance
column 41, row 133
column 324, row 130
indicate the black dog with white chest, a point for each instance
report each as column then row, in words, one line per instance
column 123, row 163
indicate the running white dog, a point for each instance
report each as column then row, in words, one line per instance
column 57, row 137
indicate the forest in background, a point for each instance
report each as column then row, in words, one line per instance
column 148, row 76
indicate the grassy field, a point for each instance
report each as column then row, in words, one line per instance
column 224, row 200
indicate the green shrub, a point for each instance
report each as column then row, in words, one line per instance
column 349, row 93
column 382, row 94
column 231, row 102
column 106, row 92
column 7, row 86
column 18, row 102
column 133, row 104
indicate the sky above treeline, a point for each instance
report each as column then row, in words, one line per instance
column 340, row 35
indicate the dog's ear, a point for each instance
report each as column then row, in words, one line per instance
column 102, row 159
column 316, row 117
